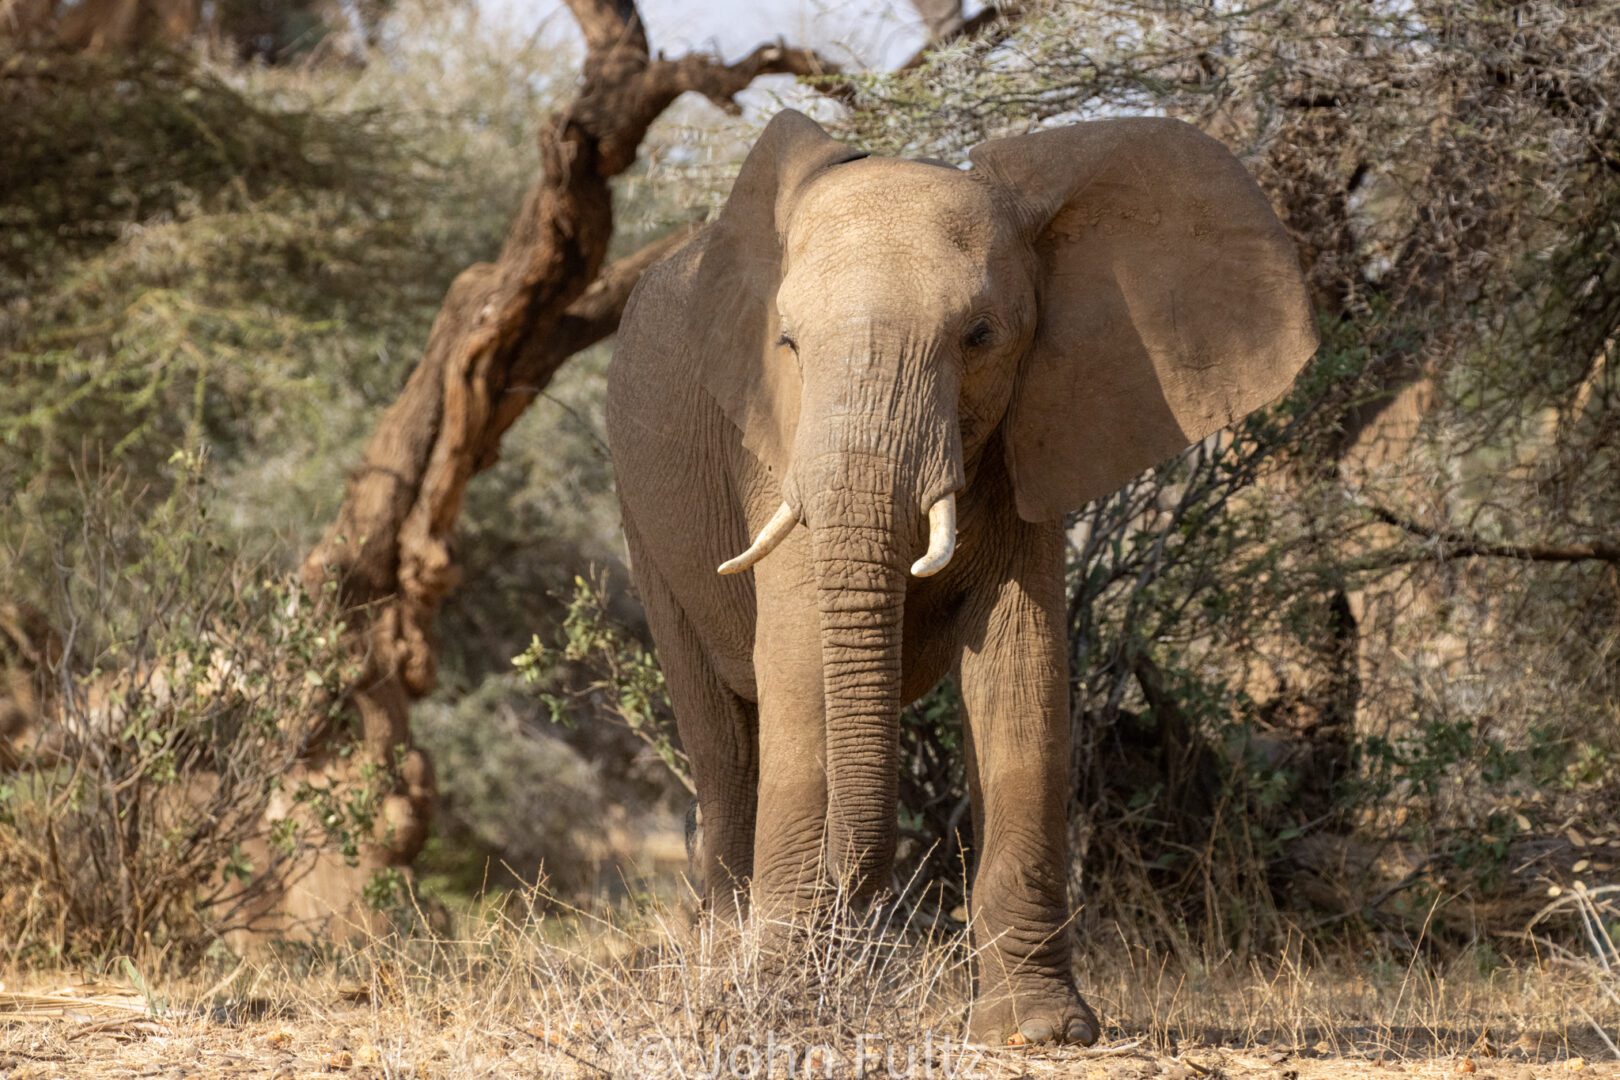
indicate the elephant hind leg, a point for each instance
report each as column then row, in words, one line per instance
column 719, row 733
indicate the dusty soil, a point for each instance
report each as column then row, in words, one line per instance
column 350, row 1039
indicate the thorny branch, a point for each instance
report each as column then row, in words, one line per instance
column 1456, row 544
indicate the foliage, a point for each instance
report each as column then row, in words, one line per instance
column 235, row 262
column 161, row 136
column 523, row 806
column 621, row 679
column 191, row 301
column 251, row 254
column 188, row 681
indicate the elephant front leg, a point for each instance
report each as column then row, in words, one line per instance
column 1014, row 684
column 717, row 732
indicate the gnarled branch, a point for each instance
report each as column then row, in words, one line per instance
column 1456, row 544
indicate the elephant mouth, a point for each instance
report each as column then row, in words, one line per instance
column 941, row 538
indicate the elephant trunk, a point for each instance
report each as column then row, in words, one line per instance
column 878, row 448
column 860, row 567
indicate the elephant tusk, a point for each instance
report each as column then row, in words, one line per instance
column 941, row 537
column 774, row 532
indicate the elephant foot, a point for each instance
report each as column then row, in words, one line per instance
column 1048, row 1011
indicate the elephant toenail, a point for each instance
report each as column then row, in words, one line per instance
column 1036, row 1031
column 1081, row 1032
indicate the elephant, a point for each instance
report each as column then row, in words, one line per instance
column 880, row 385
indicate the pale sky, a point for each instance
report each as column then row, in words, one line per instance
column 880, row 33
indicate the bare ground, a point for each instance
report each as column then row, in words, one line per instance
column 348, row 1039
column 530, row 994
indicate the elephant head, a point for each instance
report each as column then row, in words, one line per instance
column 1085, row 301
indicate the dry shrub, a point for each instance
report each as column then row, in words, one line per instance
column 1595, row 952
column 188, row 681
column 653, row 993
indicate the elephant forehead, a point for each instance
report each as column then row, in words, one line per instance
column 902, row 237
column 882, row 269
column 910, row 206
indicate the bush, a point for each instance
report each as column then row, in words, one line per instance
column 146, row 803
column 520, row 804
column 243, row 260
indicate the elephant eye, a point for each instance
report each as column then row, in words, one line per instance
column 787, row 339
column 979, row 333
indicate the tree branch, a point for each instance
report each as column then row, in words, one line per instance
column 1461, row 545
column 609, row 25
column 595, row 315
column 993, row 23
column 720, row 83
column 592, row 318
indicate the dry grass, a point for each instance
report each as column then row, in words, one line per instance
column 526, row 991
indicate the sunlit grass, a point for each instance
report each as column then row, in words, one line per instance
column 521, row 986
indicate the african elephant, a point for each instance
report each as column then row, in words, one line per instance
column 897, row 377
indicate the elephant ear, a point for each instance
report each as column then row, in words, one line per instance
column 1171, row 302
column 733, row 303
